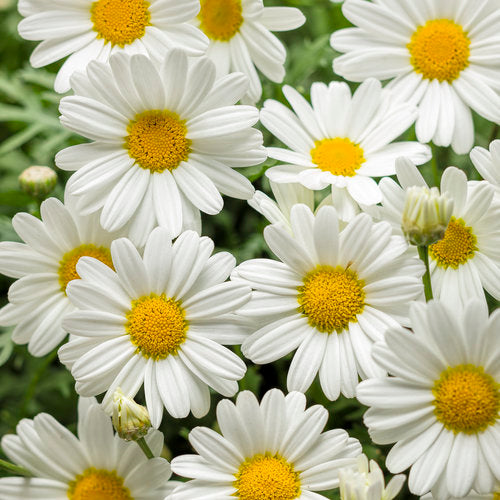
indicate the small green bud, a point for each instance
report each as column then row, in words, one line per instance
column 130, row 420
column 38, row 181
column 426, row 215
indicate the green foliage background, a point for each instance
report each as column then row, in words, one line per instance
column 30, row 134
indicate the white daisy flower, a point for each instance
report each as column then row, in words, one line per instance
column 367, row 482
column 441, row 56
column 341, row 140
column 467, row 259
column 87, row 30
column 275, row 450
column 96, row 465
column 159, row 320
column 494, row 495
column 331, row 297
column 487, row 163
column 44, row 265
column 442, row 406
column 165, row 142
column 240, row 38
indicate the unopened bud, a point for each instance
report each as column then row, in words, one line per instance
column 367, row 482
column 130, row 420
column 38, row 181
column 425, row 215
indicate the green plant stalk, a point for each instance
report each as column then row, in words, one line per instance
column 434, row 164
column 145, row 448
column 423, row 253
column 16, row 469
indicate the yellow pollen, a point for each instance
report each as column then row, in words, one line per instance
column 120, row 22
column 98, row 484
column 157, row 140
column 339, row 156
column 466, row 399
column 67, row 265
column 220, row 19
column 439, row 50
column 156, row 325
column 457, row 246
column 266, row 477
column 331, row 298
column 496, row 496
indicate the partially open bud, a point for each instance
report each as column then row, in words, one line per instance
column 367, row 483
column 130, row 419
column 38, row 181
column 425, row 215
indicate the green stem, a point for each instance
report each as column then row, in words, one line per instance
column 434, row 165
column 16, row 469
column 145, row 448
column 423, row 253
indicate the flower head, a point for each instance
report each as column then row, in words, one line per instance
column 130, row 420
column 426, row 215
column 440, row 57
column 38, row 181
column 272, row 450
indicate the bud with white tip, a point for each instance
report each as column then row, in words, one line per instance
column 367, row 482
column 38, row 181
column 425, row 215
column 130, row 420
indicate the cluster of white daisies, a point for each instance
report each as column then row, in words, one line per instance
column 121, row 265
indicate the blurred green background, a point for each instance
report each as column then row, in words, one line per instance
column 30, row 134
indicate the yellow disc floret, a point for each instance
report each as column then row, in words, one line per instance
column 120, row 22
column 67, row 265
column 340, row 156
column 457, row 246
column 157, row 325
column 266, row 477
column 157, row 140
column 98, row 484
column 331, row 298
column 439, row 50
column 220, row 19
column 466, row 399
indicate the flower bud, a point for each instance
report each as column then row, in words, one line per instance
column 130, row 419
column 38, row 181
column 366, row 483
column 425, row 215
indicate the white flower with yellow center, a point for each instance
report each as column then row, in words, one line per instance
column 367, row 482
column 275, row 450
column 467, row 259
column 487, row 163
column 97, row 465
column 87, row 30
column 44, row 265
column 331, row 297
column 240, row 38
column 494, row 495
column 159, row 320
column 442, row 404
column 166, row 142
column 341, row 140
column 441, row 56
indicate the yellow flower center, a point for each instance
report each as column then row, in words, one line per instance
column 157, row 140
column 220, row 19
column 339, row 156
column 466, row 399
column 156, row 325
column 439, row 50
column 457, row 246
column 120, row 22
column 98, row 484
column 67, row 265
column 266, row 477
column 331, row 298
